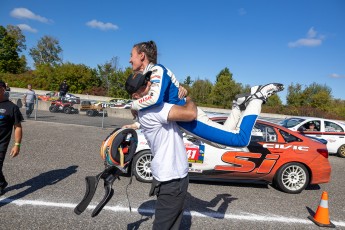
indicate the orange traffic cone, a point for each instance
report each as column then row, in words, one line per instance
column 321, row 217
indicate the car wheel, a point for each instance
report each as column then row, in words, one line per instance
column 292, row 178
column 90, row 113
column 52, row 108
column 341, row 151
column 67, row 110
column 141, row 166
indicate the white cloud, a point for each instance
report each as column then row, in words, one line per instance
column 312, row 39
column 25, row 13
column 242, row 11
column 335, row 75
column 101, row 25
column 27, row 28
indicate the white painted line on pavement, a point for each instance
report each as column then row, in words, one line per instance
column 247, row 217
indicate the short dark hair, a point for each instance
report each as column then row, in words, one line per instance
column 136, row 80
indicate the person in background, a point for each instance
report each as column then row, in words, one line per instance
column 29, row 100
column 7, row 91
column 63, row 88
column 10, row 118
column 312, row 127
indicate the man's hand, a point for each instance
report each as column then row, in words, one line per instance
column 182, row 92
column 15, row 151
column 187, row 112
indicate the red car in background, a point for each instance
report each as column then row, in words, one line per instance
column 286, row 159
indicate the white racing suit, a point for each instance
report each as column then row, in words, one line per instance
column 237, row 129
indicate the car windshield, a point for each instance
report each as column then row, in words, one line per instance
column 291, row 122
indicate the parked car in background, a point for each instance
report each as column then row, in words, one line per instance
column 71, row 98
column 93, row 109
column 286, row 159
column 52, row 96
column 330, row 130
column 119, row 103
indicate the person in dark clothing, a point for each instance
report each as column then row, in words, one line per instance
column 10, row 117
column 63, row 88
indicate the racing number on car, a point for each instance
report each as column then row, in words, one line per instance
column 195, row 154
column 240, row 162
column 191, row 153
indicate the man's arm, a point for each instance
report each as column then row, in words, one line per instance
column 18, row 133
column 187, row 112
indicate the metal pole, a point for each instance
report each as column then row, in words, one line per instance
column 103, row 117
column 36, row 108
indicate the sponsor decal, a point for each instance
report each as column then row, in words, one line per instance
column 2, row 110
column 195, row 153
column 245, row 162
column 195, row 170
column 142, row 100
column 286, row 146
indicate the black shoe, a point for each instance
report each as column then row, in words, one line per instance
column 2, row 188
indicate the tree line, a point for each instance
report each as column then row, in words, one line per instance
column 108, row 79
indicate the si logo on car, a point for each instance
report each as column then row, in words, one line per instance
column 240, row 162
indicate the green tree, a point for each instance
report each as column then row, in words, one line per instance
column 47, row 51
column 188, row 81
column 274, row 101
column 316, row 95
column 200, row 91
column 9, row 58
column 294, row 96
column 225, row 89
column 16, row 33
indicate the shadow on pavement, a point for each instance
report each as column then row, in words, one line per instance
column 44, row 179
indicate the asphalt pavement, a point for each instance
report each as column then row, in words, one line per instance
column 47, row 181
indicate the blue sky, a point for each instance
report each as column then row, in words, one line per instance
column 260, row 41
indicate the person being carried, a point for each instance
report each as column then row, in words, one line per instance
column 164, row 87
column 10, row 118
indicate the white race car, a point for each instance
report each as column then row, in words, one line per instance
column 331, row 131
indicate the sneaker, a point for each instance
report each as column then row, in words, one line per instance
column 263, row 92
column 241, row 100
column 2, row 188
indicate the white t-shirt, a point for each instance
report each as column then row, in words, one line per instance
column 165, row 140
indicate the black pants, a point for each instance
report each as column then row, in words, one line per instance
column 2, row 158
column 170, row 201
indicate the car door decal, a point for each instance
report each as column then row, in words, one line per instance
column 195, row 153
column 247, row 161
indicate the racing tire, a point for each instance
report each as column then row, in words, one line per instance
column 292, row 178
column 341, row 151
column 67, row 110
column 141, row 166
column 53, row 109
column 90, row 113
